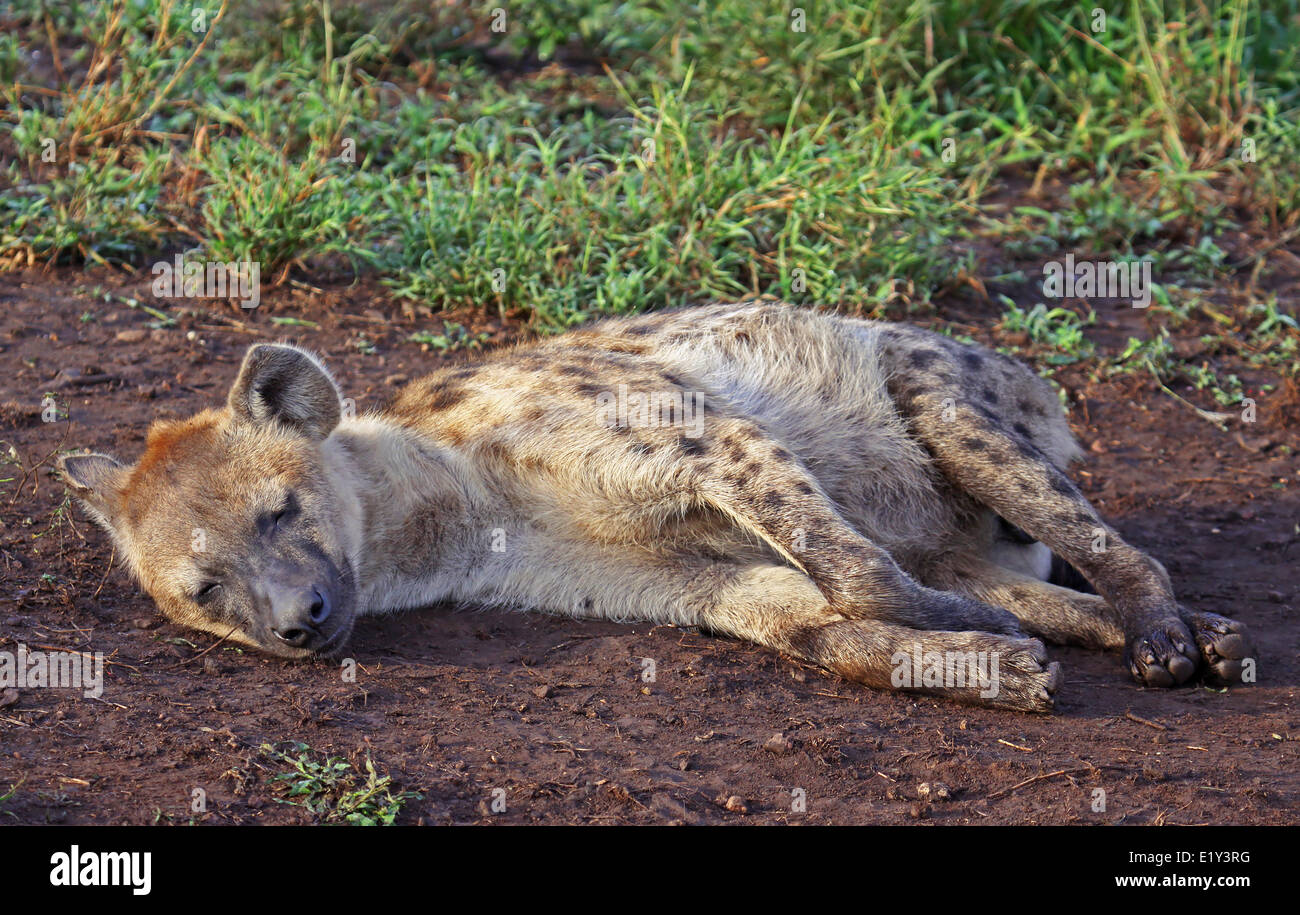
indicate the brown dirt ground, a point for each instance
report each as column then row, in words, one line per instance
column 454, row 704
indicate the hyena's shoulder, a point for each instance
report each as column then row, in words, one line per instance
column 544, row 391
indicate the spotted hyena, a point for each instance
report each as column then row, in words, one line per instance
column 871, row 497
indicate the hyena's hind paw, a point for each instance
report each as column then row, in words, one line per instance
column 1165, row 656
column 1225, row 645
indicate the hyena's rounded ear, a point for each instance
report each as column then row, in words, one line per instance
column 285, row 385
column 96, row 480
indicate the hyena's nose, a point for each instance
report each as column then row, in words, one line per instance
column 297, row 615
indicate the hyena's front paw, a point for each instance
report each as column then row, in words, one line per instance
column 1225, row 645
column 1026, row 680
column 1165, row 656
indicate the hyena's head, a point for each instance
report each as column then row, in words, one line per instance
column 235, row 520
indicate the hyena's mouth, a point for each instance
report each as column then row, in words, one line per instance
column 333, row 646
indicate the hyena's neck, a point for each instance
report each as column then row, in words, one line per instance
column 405, row 504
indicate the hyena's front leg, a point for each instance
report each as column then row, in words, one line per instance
column 1054, row 614
column 768, row 492
column 780, row 608
column 1002, row 468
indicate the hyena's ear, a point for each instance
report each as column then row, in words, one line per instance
column 285, row 385
column 96, row 480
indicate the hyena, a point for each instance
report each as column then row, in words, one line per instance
column 860, row 495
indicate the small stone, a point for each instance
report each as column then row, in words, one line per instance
column 144, row 622
column 134, row 335
column 919, row 811
column 397, row 378
column 211, row 667
column 543, row 692
column 937, row 791
column 736, row 804
column 778, row 744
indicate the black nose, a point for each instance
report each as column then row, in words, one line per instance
column 298, row 616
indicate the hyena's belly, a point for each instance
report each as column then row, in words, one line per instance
column 816, row 384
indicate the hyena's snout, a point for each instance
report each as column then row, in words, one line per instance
column 306, row 607
column 298, row 613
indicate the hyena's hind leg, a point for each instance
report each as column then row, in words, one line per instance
column 1064, row 616
column 944, row 392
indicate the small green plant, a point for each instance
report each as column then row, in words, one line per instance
column 1157, row 356
column 1058, row 328
column 333, row 789
column 454, row 337
column 8, row 796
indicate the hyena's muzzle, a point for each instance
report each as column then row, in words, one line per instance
column 303, row 602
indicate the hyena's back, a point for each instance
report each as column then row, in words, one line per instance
column 824, row 386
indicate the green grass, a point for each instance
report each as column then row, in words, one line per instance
column 333, row 789
column 600, row 157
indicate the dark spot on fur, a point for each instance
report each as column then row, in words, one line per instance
column 922, row 357
column 990, row 396
column 974, row 444
column 1061, row 484
column 589, row 390
column 974, row 361
column 1029, row 408
column 636, row 349
column 803, row 488
column 580, row 370
column 641, row 448
column 773, row 499
column 444, row 397
column 692, row 446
